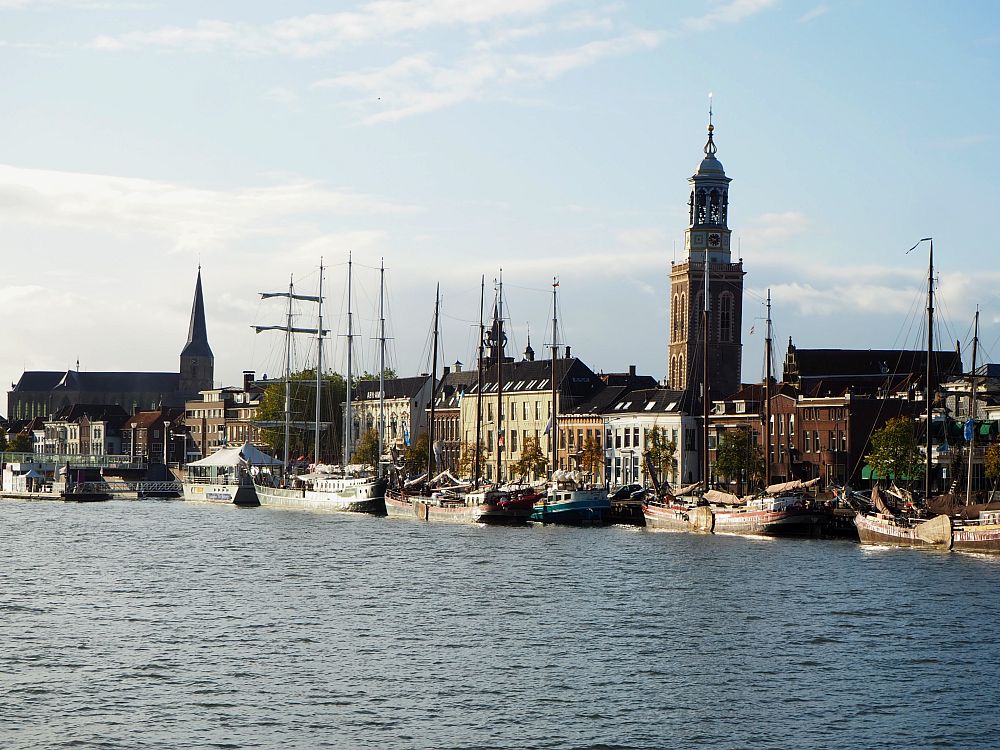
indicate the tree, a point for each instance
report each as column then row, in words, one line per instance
column 415, row 456
column 592, row 458
column 532, row 460
column 992, row 462
column 366, row 450
column 388, row 372
column 467, row 460
column 21, row 443
column 738, row 457
column 3, row 441
column 303, row 412
column 661, row 450
column 895, row 451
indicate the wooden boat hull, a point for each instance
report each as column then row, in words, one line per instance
column 424, row 508
column 678, row 518
column 879, row 529
column 366, row 497
column 977, row 539
column 789, row 522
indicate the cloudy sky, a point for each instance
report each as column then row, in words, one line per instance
column 452, row 138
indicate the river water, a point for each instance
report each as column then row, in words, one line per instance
column 172, row 625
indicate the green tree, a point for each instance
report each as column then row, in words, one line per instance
column 992, row 462
column 661, row 450
column 3, row 441
column 21, row 443
column 592, row 458
column 366, row 449
column 532, row 460
column 467, row 459
column 738, row 457
column 415, row 456
column 271, row 412
column 389, row 373
column 895, row 450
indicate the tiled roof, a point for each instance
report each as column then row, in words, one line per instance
column 367, row 390
column 95, row 412
column 650, row 400
column 840, row 362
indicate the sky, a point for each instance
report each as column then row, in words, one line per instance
column 139, row 139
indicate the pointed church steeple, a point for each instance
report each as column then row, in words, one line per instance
column 197, row 361
column 197, row 340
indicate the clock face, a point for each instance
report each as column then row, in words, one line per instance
column 714, row 239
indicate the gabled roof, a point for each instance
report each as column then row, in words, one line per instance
column 94, row 412
column 102, row 382
column 452, row 388
column 600, row 402
column 38, row 380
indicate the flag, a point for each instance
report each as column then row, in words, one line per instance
column 406, row 438
column 970, row 426
column 548, row 426
column 500, row 439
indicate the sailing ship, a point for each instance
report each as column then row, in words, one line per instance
column 427, row 497
column 959, row 524
column 568, row 498
column 321, row 490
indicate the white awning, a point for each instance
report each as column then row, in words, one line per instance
column 244, row 455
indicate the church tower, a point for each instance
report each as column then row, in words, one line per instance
column 707, row 243
column 197, row 361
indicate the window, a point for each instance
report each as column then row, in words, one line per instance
column 513, row 440
column 562, row 437
column 726, row 323
column 833, row 440
column 538, row 410
column 771, row 429
column 843, row 441
column 808, row 442
column 513, row 411
column 524, row 410
column 635, row 437
column 572, row 443
column 791, row 425
column 489, row 411
column 579, row 438
column 618, row 438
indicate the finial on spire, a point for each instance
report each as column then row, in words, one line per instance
column 710, row 146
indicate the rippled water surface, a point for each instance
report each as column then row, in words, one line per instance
column 172, row 625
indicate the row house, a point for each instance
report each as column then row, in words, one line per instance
column 157, row 436
column 521, row 411
column 582, row 428
column 629, row 425
column 80, row 430
column 405, row 402
column 223, row 416
column 448, row 415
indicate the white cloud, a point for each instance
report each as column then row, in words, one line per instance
column 812, row 15
column 191, row 218
column 731, row 12
column 318, row 34
column 414, row 85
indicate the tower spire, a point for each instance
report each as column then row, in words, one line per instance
column 710, row 146
column 197, row 361
column 197, row 340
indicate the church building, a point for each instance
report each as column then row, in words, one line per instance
column 707, row 244
column 40, row 393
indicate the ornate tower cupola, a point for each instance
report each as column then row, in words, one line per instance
column 708, row 204
column 197, row 361
column 707, row 238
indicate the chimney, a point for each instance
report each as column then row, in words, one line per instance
column 446, row 371
column 248, row 378
column 567, row 355
column 631, row 371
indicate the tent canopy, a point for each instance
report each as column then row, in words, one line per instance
column 243, row 455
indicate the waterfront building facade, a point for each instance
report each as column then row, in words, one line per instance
column 406, row 401
column 223, row 417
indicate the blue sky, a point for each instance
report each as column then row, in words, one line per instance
column 549, row 137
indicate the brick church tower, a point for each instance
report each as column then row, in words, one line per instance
column 707, row 243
